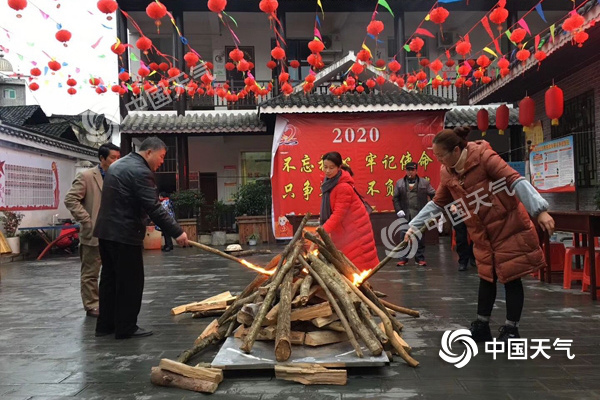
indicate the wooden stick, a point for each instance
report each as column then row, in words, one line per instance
column 304, row 289
column 389, row 330
column 403, row 310
column 336, row 307
column 347, row 299
column 209, row 313
column 207, row 374
column 212, row 250
column 366, row 316
column 311, row 375
column 283, row 346
column 277, row 278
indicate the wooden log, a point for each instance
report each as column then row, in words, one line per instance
column 389, row 330
column 268, row 333
column 210, row 328
column 379, row 294
column 221, row 305
column 320, row 338
column 236, row 306
column 311, row 293
column 244, row 318
column 262, row 291
column 212, row 250
column 403, row 310
column 311, row 312
column 160, row 377
column 283, row 345
column 400, row 340
column 322, row 321
column 335, row 326
column 214, row 337
column 314, row 375
column 209, row 313
column 304, row 289
column 271, row 317
column 246, row 253
column 336, row 307
column 347, row 300
column 225, row 296
column 368, row 319
column 277, row 278
column 390, row 311
column 207, row 374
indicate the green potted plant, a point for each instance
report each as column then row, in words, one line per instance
column 187, row 203
column 254, row 239
column 11, row 221
column 253, row 210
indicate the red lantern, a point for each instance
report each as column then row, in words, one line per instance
column 287, row 89
column 278, row 53
column 94, row 81
column 231, row 66
column 156, row 10
column 498, row 16
column 421, row 76
column 483, row 61
column 416, row 44
column 486, row 79
column 463, row 48
column 124, row 76
column 504, row 72
column 464, row 70
column 284, row 77
column 294, row 64
column 35, row 72
column 163, row 66
column 554, row 104
column 173, row 72
column 357, row 69
column 363, row 56
column 436, row 66
column 438, row 15
column 217, row 6
column 540, row 56
column 469, row 83
column 143, row 72
column 207, row 79
column 153, row 66
column 209, row 65
column 518, row 35
column 527, row 111
column 33, row 86
column 523, row 55
column 310, row 78
column 450, row 63
column 63, row 36
column 360, row 89
column 380, row 63
column 271, row 65
column 71, row 82
column 191, row 59
column 400, row 82
column 236, row 55
column 581, row 37
column 503, row 63
column 107, row 7
column 71, row 91
column 459, row 82
column 350, row 81
column 502, row 114
column 483, row 120
column 380, row 80
column 394, row 66
column 118, row 48
column 574, row 22
column 316, row 46
column 144, row 44
column 478, row 74
column 17, row 5
column 243, row 66
column 54, row 65
column 371, row 83
column 424, row 62
column 375, row 27
column 268, row 6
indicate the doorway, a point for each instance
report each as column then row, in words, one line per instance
column 209, row 189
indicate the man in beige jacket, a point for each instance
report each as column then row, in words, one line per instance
column 83, row 201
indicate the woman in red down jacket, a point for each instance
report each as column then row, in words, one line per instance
column 344, row 216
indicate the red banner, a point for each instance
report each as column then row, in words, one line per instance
column 377, row 146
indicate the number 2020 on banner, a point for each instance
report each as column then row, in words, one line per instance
column 359, row 136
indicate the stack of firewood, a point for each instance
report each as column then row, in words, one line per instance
column 306, row 296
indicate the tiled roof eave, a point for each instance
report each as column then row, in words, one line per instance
column 347, row 109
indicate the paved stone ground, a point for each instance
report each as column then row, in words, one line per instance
column 48, row 349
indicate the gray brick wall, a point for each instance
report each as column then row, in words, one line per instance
column 584, row 80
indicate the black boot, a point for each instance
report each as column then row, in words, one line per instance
column 508, row 332
column 480, row 331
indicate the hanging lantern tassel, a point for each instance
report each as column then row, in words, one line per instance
column 483, row 121
column 554, row 102
column 156, row 10
column 502, row 114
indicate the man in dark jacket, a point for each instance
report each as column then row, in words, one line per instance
column 129, row 197
column 411, row 193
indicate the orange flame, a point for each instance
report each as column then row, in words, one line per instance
column 358, row 279
column 305, row 271
column 257, row 268
column 315, row 253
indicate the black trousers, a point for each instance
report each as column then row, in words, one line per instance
column 514, row 298
column 168, row 240
column 463, row 248
column 121, row 287
column 420, row 254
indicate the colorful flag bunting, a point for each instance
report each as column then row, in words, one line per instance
column 524, row 25
column 424, row 32
column 539, row 10
column 384, row 4
column 490, row 51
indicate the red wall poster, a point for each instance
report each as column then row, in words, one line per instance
column 377, row 146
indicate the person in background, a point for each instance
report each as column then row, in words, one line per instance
column 129, row 197
column 495, row 203
column 83, row 201
column 411, row 193
column 167, row 205
column 344, row 215
column 464, row 246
